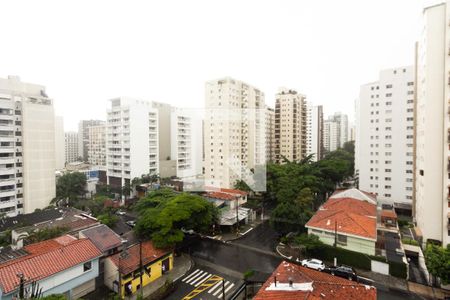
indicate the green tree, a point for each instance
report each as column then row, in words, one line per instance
column 71, row 187
column 45, row 234
column 108, row 219
column 309, row 243
column 437, row 259
column 163, row 219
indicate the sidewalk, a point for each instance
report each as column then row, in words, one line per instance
column 243, row 230
column 181, row 265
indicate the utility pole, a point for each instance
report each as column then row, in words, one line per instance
column 335, row 233
column 140, row 267
column 223, row 289
column 237, row 215
column 21, row 285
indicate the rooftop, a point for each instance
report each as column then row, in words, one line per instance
column 355, row 194
column 297, row 282
column 103, row 237
column 45, row 259
column 348, row 216
column 130, row 262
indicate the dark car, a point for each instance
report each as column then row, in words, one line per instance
column 343, row 271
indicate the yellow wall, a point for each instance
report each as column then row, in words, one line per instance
column 156, row 272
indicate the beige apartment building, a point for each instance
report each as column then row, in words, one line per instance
column 97, row 146
column 290, row 125
column 270, row 134
column 234, row 131
column 27, row 147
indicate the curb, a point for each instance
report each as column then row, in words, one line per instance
column 279, row 253
column 188, row 270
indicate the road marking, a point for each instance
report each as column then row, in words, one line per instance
column 219, row 290
column 214, row 287
column 190, row 281
column 199, row 278
column 190, row 275
column 203, row 280
column 203, row 287
column 229, row 287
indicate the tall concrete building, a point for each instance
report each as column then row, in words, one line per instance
column 186, row 142
column 97, row 146
column 27, row 152
column 270, row 134
column 83, row 136
column 234, row 131
column 290, row 126
column 315, row 131
column 336, row 132
column 59, row 143
column 131, row 140
column 432, row 131
column 384, row 136
column 71, row 147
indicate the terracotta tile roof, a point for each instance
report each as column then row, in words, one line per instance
column 81, row 224
column 219, row 195
column 233, row 192
column 103, row 237
column 48, row 259
column 131, row 262
column 356, row 194
column 352, row 216
column 309, row 284
column 388, row 213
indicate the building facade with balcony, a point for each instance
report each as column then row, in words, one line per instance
column 96, row 147
column 27, row 147
column 290, row 126
column 270, row 134
column 335, row 131
column 71, row 147
column 384, row 139
column 432, row 130
column 314, row 137
column 234, row 131
column 131, row 140
column 83, row 136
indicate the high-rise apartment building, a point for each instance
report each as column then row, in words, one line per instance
column 131, row 140
column 290, row 125
column 270, row 134
column 336, row 132
column 186, row 142
column 83, row 136
column 59, row 143
column 384, row 136
column 71, row 146
column 97, row 146
column 432, row 131
column 314, row 136
column 27, row 152
column 234, row 131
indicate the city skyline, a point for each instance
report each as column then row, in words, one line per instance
column 79, row 69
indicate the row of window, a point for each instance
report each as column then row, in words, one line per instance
column 389, row 111
column 410, row 101
column 389, row 120
column 388, row 95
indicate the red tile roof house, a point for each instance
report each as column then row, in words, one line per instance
column 354, row 221
column 64, row 265
column 291, row 281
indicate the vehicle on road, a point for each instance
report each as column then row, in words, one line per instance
column 120, row 212
column 131, row 223
column 313, row 263
column 342, row 271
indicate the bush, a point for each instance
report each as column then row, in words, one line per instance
column 344, row 256
column 402, row 223
column 398, row 269
column 410, row 242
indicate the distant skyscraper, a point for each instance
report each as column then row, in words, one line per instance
column 315, row 131
column 97, row 146
column 290, row 126
column 131, row 140
column 384, row 139
column 335, row 131
column 234, row 129
column 27, row 152
column 71, row 147
column 83, row 136
column 59, row 143
column 432, row 130
column 270, row 134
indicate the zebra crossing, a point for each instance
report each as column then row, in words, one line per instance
column 199, row 276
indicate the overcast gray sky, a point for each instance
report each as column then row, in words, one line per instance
column 86, row 52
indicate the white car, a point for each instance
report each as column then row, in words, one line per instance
column 120, row 212
column 313, row 264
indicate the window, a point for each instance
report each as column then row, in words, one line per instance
column 410, row 92
column 410, row 119
column 387, row 195
column 410, row 83
column 409, row 162
column 388, row 162
column 388, row 120
column 409, row 110
column 389, row 86
column 388, row 187
column 388, row 137
column 87, row 266
column 408, row 171
column 387, row 178
column 408, row 188
column 388, row 153
column 387, row 170
column 389, row 95
column 410, row 101
column 342, row 239
column 421, row 172
column 389, row 103
column 409, row 180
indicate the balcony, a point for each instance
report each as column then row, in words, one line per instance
column 7, row 193
column 7, row 181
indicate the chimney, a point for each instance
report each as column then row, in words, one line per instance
column 275, row 277
column 291, row 283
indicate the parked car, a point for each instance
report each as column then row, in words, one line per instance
column 313, row 264
column 131, row 223
column 120, row 212
column 343, row 271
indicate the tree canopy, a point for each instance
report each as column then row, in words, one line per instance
column 71, row 186
column 163, row 214
column 438, row 261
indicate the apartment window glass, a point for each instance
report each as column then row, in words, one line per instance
column 87, row 266
column 389, row 86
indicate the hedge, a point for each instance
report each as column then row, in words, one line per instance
column 398, row 269
column 344, row 256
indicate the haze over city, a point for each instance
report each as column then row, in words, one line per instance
column 87, row 52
